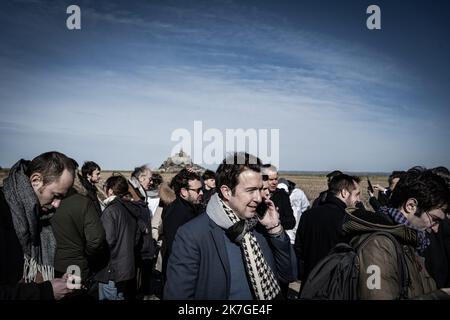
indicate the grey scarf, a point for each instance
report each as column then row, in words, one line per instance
column 33, row 230
column 262, row 278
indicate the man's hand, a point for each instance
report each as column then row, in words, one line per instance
column 192, row 170
column 379, row 188
column 446, row 290
column 60, row 289
column 271, row 220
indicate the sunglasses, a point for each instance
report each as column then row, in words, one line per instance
column 198, row 190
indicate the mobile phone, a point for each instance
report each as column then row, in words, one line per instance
column 370, row 186
column 261, row 209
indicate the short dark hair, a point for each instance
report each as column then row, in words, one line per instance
column 331, row 175
column 429, row 189
column 208, row 174
column 334, row 173
column 118, row 184
column 442, row 172
column 181, row 180
column 232, row 166
column 51, row 165
column 343, row 182
column 157, row 179
column 88, row 167
column 394, row 175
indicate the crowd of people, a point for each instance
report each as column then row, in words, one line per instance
column 240, row 233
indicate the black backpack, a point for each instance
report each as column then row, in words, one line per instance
column 336, row 276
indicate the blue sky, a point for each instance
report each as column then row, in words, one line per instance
column 343, row 97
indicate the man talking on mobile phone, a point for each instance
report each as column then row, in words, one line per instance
column 229, row 253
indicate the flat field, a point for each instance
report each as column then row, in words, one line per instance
column 312, row 185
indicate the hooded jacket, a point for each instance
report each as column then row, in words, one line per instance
column 380, row 251
column 124, row 225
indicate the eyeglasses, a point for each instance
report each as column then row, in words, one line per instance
column 433, row 220
column 198, row 190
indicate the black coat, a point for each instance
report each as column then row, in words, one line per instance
column 128, row 233
column 174, row 216
column 91, row 193
column 321, row 199
column 11, row 263
column 375, row 204
column 79, row 234
column 437, row 255
column 319, row 230
column 384, row 198
column 281, row 200
column 206, row 196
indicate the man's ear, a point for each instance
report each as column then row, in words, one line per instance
column 410, row 206
column 345, row 193
column 36, row 180
column 226, row 192
column 184, row 193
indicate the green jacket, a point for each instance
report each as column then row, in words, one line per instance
column 79, row 233
column 380, row 251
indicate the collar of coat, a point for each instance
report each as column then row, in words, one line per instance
column 359, row 221
column 191, row 207
column 332, row 199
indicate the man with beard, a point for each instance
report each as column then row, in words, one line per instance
column 90, row 176
column 188, row 189
column 320, row 228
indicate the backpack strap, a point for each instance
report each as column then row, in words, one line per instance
column 404, row 282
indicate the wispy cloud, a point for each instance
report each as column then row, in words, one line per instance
column 133, row 75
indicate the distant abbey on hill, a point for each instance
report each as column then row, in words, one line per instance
column 177, row 162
